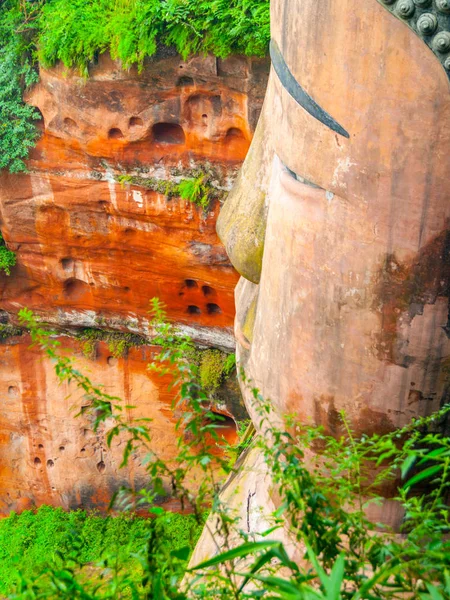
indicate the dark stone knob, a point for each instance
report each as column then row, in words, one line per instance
column 427, row 24
column 443, row 6
column 422, row 3
column 447, row 63
column 441, row 42
column 388, row 1
column 406, row 8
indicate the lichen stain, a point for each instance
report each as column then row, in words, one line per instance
column 402, row 289
column 366, row 420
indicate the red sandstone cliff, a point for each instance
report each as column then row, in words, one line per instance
column 92, row 251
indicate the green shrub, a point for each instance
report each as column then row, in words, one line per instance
column 75, row 31
column 17, row 131
column 195, row 191
column 32, row 539
column 7, row 256
column 196, row 187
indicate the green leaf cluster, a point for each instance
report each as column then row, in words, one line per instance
column 17, row 130
column 76, row 31
column 7, row 256
column 33, row 539
column 197, row 187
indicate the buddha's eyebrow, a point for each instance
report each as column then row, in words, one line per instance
column 292, row 86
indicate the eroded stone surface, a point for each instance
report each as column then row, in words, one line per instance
column 49, row 455
column 92, row 251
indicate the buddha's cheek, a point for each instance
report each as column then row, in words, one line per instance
column 309, row 334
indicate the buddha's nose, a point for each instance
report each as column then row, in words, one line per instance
column 242, row 222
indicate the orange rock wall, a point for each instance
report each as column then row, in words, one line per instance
column 49, row 455
column 91, row 248
column 92, row 252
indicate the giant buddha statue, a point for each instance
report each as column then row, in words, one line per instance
column 339, row 225
column 339, row 221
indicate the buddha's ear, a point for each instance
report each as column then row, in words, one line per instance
column 242, row 221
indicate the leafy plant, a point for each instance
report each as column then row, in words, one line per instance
column 17, row 130
column 76, row 31
column 197, row 188
column 195, row 191
column 29, row 539
column 7, row 256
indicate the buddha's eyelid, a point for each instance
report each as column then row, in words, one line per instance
column 292, row 86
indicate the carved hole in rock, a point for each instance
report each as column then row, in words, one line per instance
column 226, row 427
column 168, row 133
column 190, row 283
column 208, row 291
column 234, row 133
column 50, row 463
column 184, row 80
column 83, row 450
column 37, row 461
column 112, row 361
column 62, row 448
column 70, row 125
column 213, row 309
column 75, row 288
column 67, row 264
column 115, row 134
column 135, row 122
column 13, row 391
column 101, row 467
column 193, row 310
column 41, row 446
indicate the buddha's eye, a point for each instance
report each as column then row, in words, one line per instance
column 299, row 177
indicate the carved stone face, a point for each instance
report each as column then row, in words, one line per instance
column 339, row 221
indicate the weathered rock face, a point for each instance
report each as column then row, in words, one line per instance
column 48, row 455
column 96, row 238
column 339, row 225
column 89, row 247
column 348, row 308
